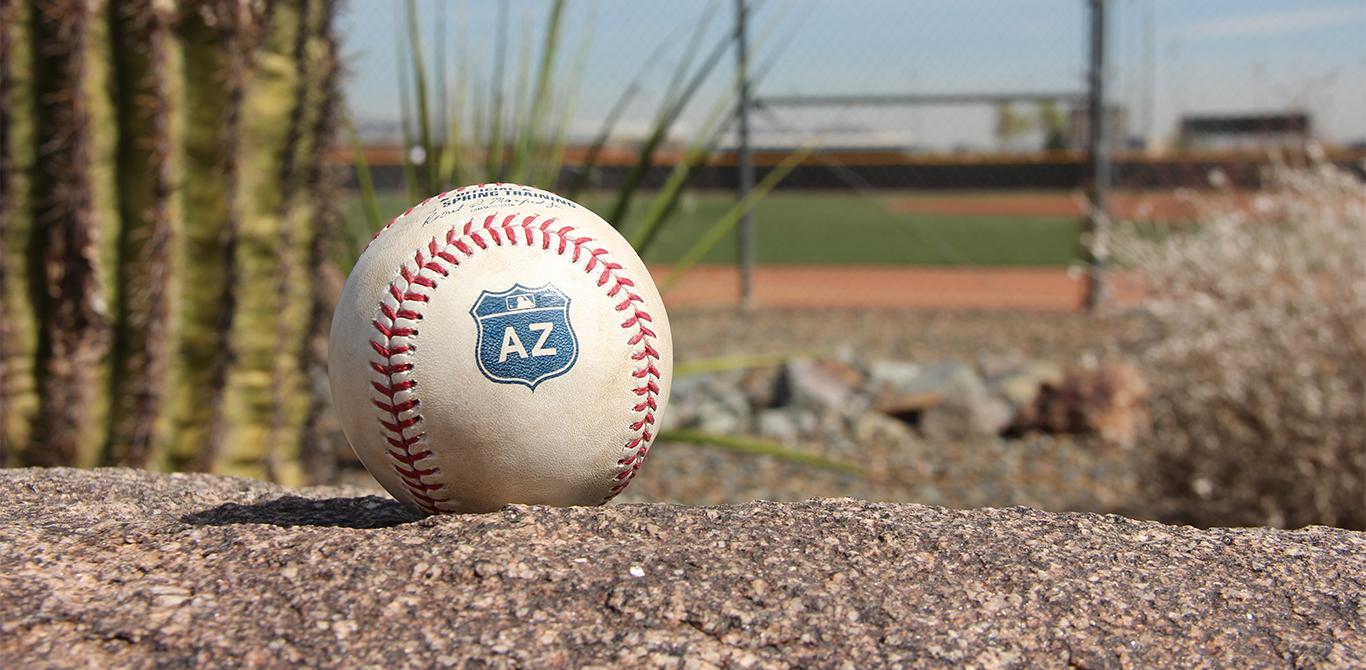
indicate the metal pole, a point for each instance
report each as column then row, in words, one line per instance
column 745, row 181
column 1099, row 159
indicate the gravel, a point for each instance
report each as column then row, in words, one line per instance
column 120, row 568
column 896, row 334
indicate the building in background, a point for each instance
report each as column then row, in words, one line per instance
column 1246, row 132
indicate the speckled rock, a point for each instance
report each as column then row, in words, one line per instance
column 119, row 568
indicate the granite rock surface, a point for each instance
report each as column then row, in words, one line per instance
column 121, row 568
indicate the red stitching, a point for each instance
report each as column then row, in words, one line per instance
column 406, row 445
column 401, row 415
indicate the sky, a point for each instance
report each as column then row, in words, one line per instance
column 1167, row 58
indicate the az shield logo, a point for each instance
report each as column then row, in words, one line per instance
column 524, row 335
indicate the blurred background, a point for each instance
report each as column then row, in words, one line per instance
column 1098, row 255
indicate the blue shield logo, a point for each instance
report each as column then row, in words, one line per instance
column 524, row 335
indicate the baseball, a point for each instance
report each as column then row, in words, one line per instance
column 500, row 344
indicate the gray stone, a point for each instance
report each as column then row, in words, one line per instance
column 716, row 416
column 779, row 424
column 118, row 568
column 966, row 416
column 711, row 402
column 875, row 429
column 818, row 383
column 995, row 364
column 945, row 399
column 760, row 386
column 1020, row 386
column 943, row 378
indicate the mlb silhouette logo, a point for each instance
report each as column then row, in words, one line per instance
column 525, row 336
column 520, row 301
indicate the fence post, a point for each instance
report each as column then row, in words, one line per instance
column 1098, row 158
column 745, row 163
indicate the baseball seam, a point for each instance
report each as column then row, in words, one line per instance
column 396, row 324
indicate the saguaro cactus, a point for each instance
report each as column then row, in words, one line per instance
column 214, row 81
column 64, row 275
column 321, row 434
column 139, row 41
column 17, row 397
column 291, row 291
column 5, row 190
column 161, row 162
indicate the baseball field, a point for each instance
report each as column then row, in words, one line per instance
column 892, row 228
column 897, row 249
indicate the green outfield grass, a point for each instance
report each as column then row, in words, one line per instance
column 836, row 228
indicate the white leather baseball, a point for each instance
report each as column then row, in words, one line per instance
column 500, row 344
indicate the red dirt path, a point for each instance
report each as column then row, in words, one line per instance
column 1146, row 205
column 1046, row 290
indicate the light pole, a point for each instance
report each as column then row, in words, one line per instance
column 1099, row 159
column 745, row 162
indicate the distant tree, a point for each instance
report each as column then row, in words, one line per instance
column 1010, row 124
column 1054, row 125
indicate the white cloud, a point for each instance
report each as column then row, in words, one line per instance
column 1267, row 24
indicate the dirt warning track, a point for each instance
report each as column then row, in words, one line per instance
column 1044, row 289
column 1144, row 206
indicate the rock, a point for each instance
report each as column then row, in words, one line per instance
column 760, row 386
column 1109, row 400
column 783, row 425
column 995, row 364
column 119, row 568
column 907, row 406
column 877, row 429
column 881, row 438
column 818, row 383
column 717, row 416
column 942, row 378
column 711, row 403
column 946, row 399
column 1021, row 385
column 966, row 416
column 684, row 400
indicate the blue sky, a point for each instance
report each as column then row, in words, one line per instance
column 1207, row 56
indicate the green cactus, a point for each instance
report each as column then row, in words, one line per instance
column 140, row 41
column 321, row 435
column 6, row 82
column 261, row 402
column 166, row 244
column 64, row 249
column 214, row 52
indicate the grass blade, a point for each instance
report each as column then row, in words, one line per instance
column 609, row 121
column 732, row 216
column 664, row 203
column 706, row 366
column 443, row 98
column 661, row 130
column 750, row 446
column 548, row 176
column 479, row 128
column 521, row 94
column 494, row 147
column 672, row 93
column 424, row 121
column 355, row 239
column 531, row 130
column 405, row 117
column 453, row 166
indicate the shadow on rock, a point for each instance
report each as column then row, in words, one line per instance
column 364, row 512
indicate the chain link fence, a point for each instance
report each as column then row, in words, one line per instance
column 945, row 136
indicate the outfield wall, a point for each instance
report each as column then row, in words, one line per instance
column 887, row 170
